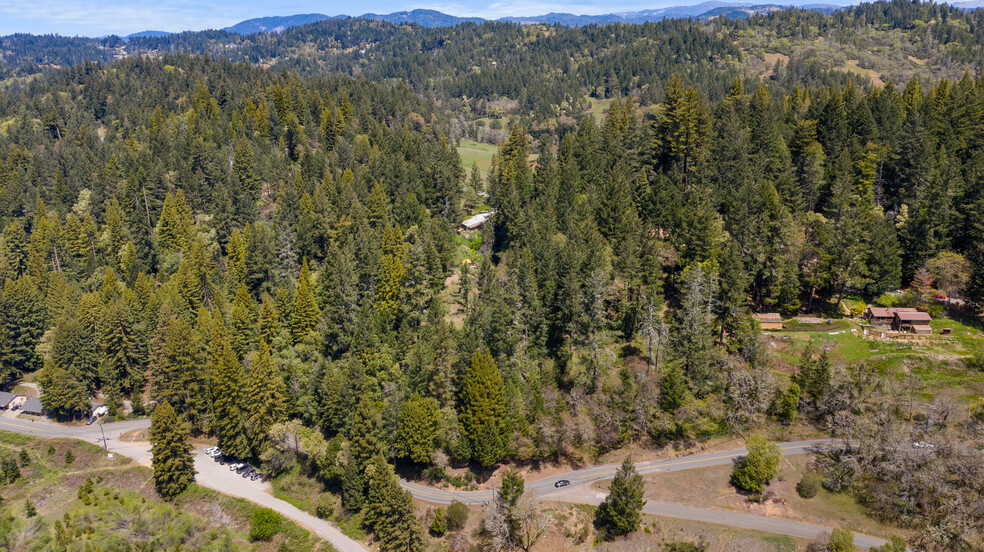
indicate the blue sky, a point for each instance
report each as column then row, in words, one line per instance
column 101, row 17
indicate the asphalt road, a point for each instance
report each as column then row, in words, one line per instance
column 580, row 492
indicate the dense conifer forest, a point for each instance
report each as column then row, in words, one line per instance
column 277, row 251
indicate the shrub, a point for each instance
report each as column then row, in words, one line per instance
column 29, row 509
column 809, row 486
column 24, row 458
column 69, row 457
column 841, row 540
column 887, row 300
column 457, row 516
column 975, row 362
column 440, row 524
column 758, row 467
column 326, row 505
column 263, row 525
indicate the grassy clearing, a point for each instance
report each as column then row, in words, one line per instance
column 598, row 108
column 476, row 153
column 935, row 360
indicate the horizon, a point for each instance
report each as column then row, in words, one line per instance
column 98, row 18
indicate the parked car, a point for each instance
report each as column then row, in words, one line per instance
column 91, row 420
column 242, row 467
column 562, row 483
column 220, row 459
column 256, row 475
column 235, row 467
column 101, row 410
column 247, row 472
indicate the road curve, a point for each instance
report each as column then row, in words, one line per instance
column 206, row 476
column 578, row 492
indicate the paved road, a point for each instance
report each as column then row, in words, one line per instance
column 580, row 492
column 210, row 473
column 598, row 473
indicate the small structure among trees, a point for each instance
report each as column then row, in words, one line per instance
column 769, row 320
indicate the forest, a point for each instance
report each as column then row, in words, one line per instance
column 276, row 251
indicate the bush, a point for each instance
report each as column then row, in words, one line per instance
column 263, row 525
column 975, row 362
column 29, row 509
column 757, row 468
column 809, row 486
column 457, row 516
column 69, row 457
column 440, row 524
column 25, row 459
column 887, row 300
column 326, row 506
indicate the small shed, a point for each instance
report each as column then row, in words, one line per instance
column 915, row 322
column 476, row 221
column 5, row 399
column 769, row 320
column 33, row 406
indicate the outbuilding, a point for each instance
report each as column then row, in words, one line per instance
column 33, row 407
column 915, row 322
column 476, row 221
column 769, row 320
column 5, row 399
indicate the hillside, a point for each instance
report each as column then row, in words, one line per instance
column 369, row 257
column 66, row 493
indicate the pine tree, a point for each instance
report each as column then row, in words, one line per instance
column 119, row 365
column 243, row 326
column 172, row 461
column 483, row 409
column 174, row 228
column 16, row 245
column 269, row 320
column 23, row 315
column 620, row 513
column 179, row 377
column 229, row 403
column 389, row 511
column 63, row 396
column 266, row 393
column 304, row 317
column 417, row 426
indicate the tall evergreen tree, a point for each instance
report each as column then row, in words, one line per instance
column 267, row 394
column 170, row 447
column 483, row 409
column 229, row 404
column 304, row 317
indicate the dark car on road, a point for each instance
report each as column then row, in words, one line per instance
column 91, row 420
column 562, row 483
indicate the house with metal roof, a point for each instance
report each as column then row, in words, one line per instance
column 914, row 322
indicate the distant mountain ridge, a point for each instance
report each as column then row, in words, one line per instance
column 434, row 18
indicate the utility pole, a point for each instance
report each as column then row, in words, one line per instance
column 105, row 443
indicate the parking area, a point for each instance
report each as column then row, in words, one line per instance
column 219, row 476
